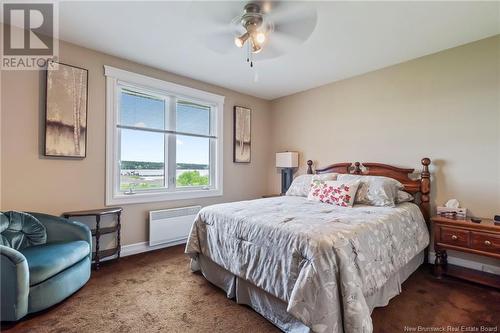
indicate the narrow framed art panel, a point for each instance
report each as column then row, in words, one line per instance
column 242, row 143
column 66, row 111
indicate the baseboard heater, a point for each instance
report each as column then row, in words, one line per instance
column 171, row 225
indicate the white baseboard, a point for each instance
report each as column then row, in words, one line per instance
column 128, row 250
column 468, row 263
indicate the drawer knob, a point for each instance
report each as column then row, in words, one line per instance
column 487, row 242
column 454, row 237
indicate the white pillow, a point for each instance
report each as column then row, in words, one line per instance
column 302, row 184
column 375, row 190
column 404, row 197
column 335, row 192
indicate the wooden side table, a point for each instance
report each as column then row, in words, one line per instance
column 98, row 254
column 461, row 234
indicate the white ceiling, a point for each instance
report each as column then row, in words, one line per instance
column 350, row 38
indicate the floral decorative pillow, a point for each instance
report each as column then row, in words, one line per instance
column 375, row 190
column 334, row 192
column 302, row 184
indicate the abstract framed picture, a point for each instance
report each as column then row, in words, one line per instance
column 242, row 142
column 66, row 111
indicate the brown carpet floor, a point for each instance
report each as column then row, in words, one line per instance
column 156, row 292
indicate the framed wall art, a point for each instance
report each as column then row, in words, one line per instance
column 66, row 111
column 242, row 143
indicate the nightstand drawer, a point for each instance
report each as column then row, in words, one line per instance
column 465, row 235
column 485, row 242
column 456, row 237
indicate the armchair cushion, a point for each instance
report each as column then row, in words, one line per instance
column 20, row 230
column 63, row 230
column 45, row 261
column 14, row 284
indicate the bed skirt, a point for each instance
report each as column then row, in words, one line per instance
column 274, row 309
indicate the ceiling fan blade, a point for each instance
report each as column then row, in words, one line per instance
column 269, row 6
column 290, row 12
column 299, row 29
column 270, row 51
column 277, row 45
column 219, row 42
column 217, row 27
column 219, row 12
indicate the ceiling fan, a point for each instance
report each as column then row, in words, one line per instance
column 266, row 29
column 252, row 21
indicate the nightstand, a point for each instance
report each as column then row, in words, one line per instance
column 98, row 231
column 271, row 195
column 461, row 234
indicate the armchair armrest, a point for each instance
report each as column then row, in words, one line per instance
column 63, row 230
column 14, row 284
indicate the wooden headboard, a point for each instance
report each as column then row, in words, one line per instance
column 420, row 186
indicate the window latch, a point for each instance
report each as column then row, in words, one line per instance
column 130, row 190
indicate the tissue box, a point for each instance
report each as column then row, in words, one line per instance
column 460, row 212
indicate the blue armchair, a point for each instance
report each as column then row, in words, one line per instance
column 44, row 259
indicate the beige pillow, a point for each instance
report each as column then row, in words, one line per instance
column 404, row 197
column 302, row 184
column 375, row 190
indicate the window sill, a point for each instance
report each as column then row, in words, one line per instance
column 124, row 199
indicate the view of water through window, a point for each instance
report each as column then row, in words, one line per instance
column 142, row 163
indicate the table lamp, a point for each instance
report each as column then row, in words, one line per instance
column 287, row 161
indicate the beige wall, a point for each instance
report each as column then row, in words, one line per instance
column 444, row 106
column 33, row 182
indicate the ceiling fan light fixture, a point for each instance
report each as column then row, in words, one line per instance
column 256, row 28
column 240, row 41
column 256, row 48
column 260, row 38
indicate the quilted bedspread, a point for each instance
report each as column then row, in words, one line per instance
column 321, row 259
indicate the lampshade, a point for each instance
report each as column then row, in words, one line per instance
column 289, row 159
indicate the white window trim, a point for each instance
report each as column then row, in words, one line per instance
column 113, row 76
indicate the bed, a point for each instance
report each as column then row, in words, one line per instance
column 314, row 267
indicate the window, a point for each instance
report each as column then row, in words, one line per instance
column 164, row 141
